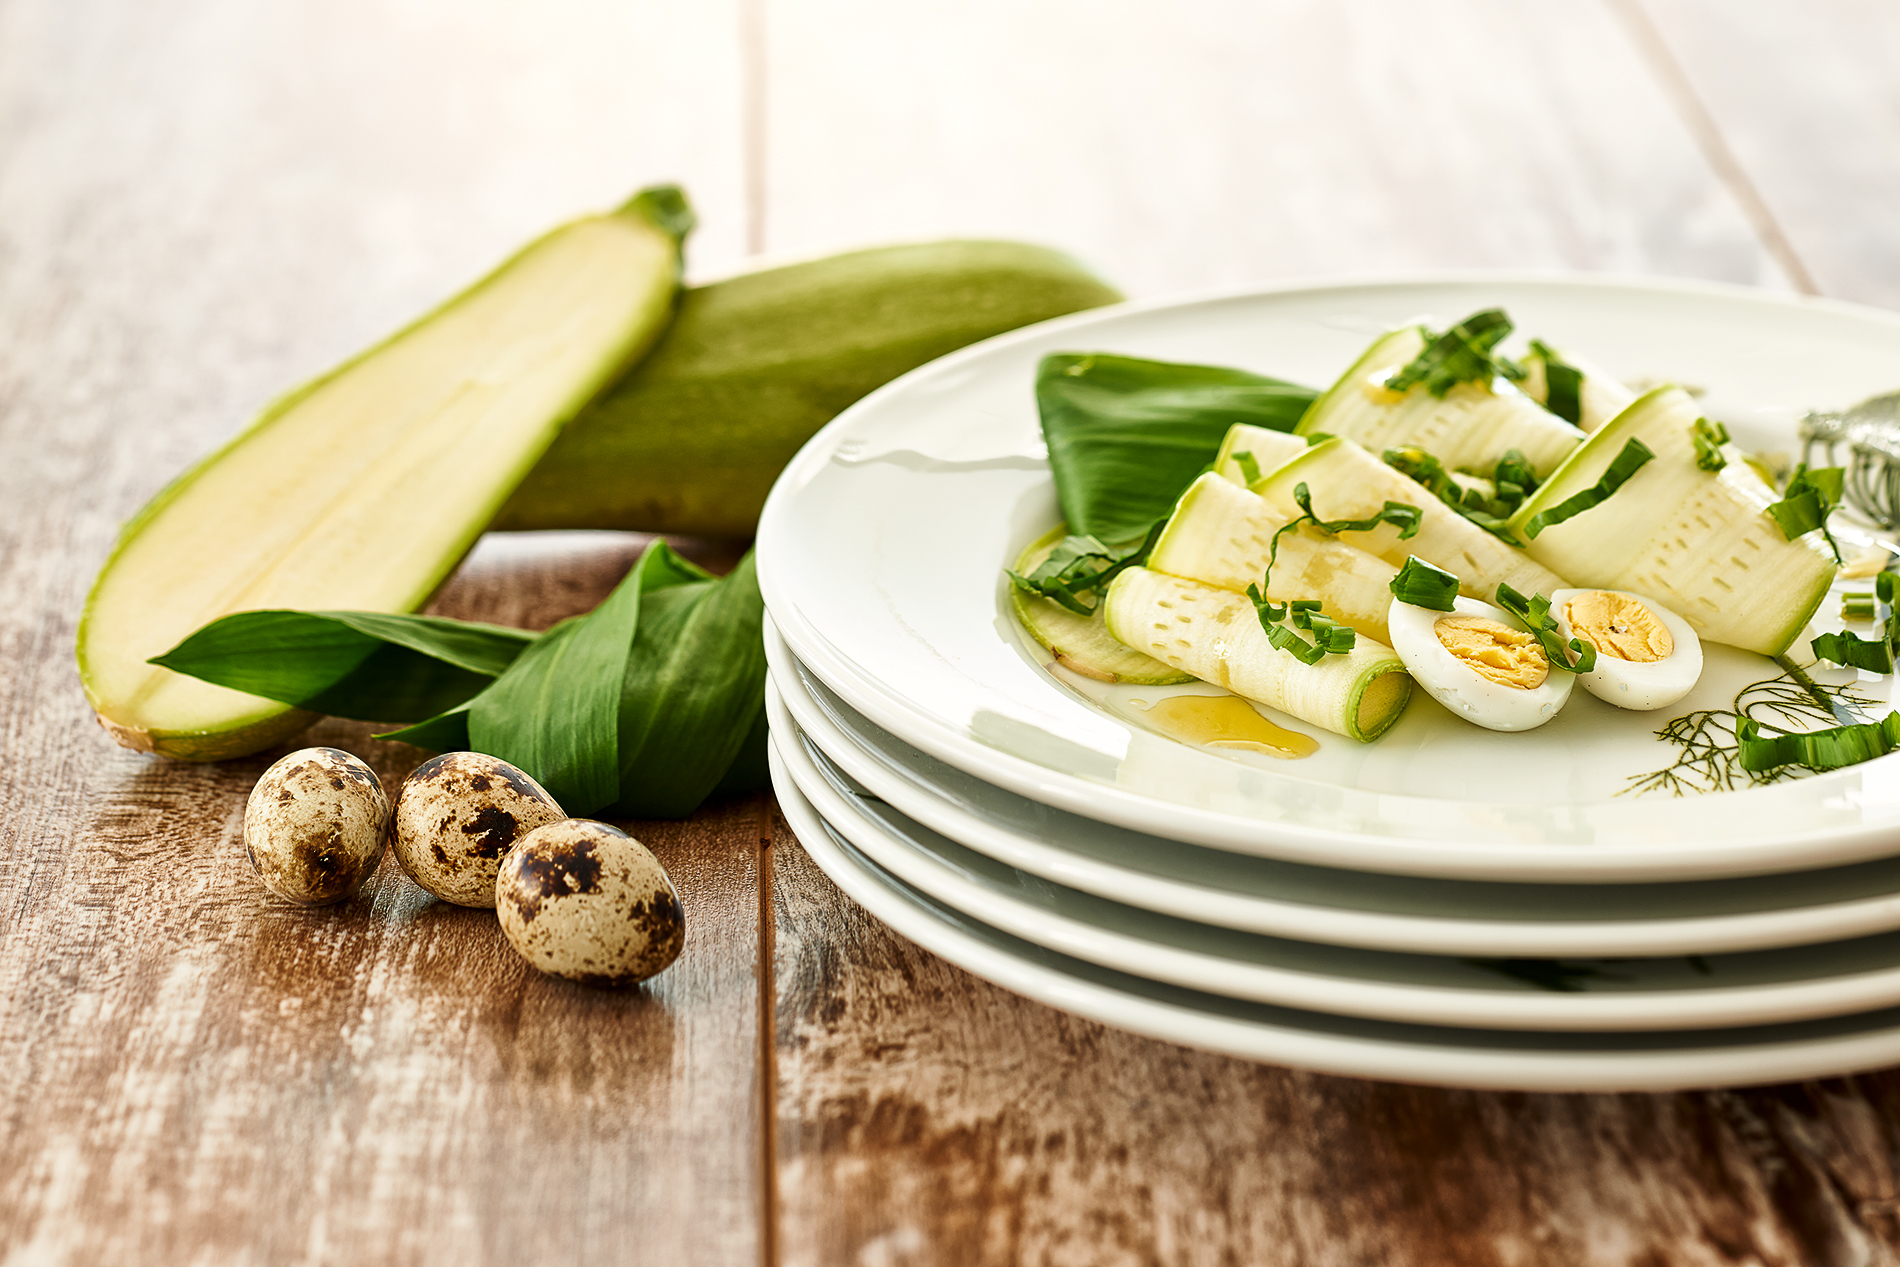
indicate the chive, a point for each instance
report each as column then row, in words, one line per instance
column 1489, row 514
column 1635, row 453
column 1563, row 384
column 1462, row 354
column 1709, row 439
column 1807, row 502
column 1080, row 568
column 1249, row 466
column 1819, row 749
column 1302, row 650
column 1535, row 613
column 1422, row 585
column 1857, row 606
column 1875, row 655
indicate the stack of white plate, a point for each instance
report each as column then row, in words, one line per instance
column 1447, row 905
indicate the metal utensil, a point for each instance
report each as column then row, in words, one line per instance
column 1870, row 432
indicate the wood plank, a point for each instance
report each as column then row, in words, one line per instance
column 1805, row 99
column 1227, row 144
column 198, row 208
column 926, row 1116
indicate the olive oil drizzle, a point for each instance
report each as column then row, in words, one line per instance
column 1226, row 721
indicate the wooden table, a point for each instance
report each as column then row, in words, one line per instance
column 204, row 201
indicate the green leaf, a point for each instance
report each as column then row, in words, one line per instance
column 1563, row 384
column 555, row 712
column 1630, row 460
column 1709, row 438
column 1875, row 655
column 1422, row 585
column 1819, row 749
column 1490, row 513
column 373, row 666
column 1462, row 354
column 445, row 732
column 1077, row 571
column 693, row 694
column 1806, row 503
column 1126, row 435
column 1535, row 613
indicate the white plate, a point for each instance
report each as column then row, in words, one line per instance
column 1756, row 988
column 881, row 553
column 1346, row 908
column 1504, row 1060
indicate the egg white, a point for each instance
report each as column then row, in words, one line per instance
column 1462, row 689
column 1632, row 684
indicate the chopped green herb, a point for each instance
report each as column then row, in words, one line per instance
column 1462, row 354
column 1857, row 606
column 1535, row 613
column 1513, row 480
column 1874, row 655
column 1709, row 439
column 1807, row 502
column 1422, row 585
column 1817, row 749
column 1634, row 454
column 1080, row 568
column 1249, row 466
column 1563, row 384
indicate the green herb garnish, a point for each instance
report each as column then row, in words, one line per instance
column 1857, row 606
column 1081, row 567
column 1329, row 635
column 1877, row 654
column 1422, row 585
column 1709, row 439
column 1512, row 481
column 1806, row 503
column 1462, row 354
column 1535, row 613
column 1249, row 466
column 1563, row 384
column 1630, row 460
column 1816, row 749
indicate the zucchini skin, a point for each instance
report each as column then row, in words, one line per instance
column 692, row 439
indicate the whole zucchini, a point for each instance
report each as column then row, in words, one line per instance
column 691, row 440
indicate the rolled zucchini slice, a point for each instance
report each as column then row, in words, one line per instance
column 1222, row 535
column 1471, row 426
column 1267, row 449
column 1215, row 635
column 1081, row 644
column 1599, row 396
column 1699, row 541
column 1346, row 482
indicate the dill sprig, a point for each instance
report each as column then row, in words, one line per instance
column 1709, row 756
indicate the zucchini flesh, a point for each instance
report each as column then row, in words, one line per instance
column 1215, row 635
column 1080, row 643
column 1696, row 540
column 1470, row 427
column 1600, row 396
column 1269, row 449
column 363, row 489
column 1222, row 535
column 1346, row 482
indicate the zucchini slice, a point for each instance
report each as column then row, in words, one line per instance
column 1269, row 449
column 1215, row 635
column 1080, row 643
column 362, row 490
column 1697, row 540
column 1346, row 482
column 1471, row 426
column 1222, row 535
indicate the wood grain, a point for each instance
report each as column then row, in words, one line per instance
column 1227, row 144
column 1805, row 99
column 926, row 1116
column 199, row 207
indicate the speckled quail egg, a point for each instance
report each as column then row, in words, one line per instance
column 1480, row 662
column 315, row 826
column 457, row 815
column 586, row 901
column 1647, row 656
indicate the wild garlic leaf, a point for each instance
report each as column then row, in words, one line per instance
column 1126, row 435
column 1463, row 354
column 372, row 666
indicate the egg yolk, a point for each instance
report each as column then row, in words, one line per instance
column 1495, row 652
column 1617, row 625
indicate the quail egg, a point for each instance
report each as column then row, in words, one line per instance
column 586, row 901
column 1647, row 656
column 1480, row 662
column 315, row 825
column 457, row 815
